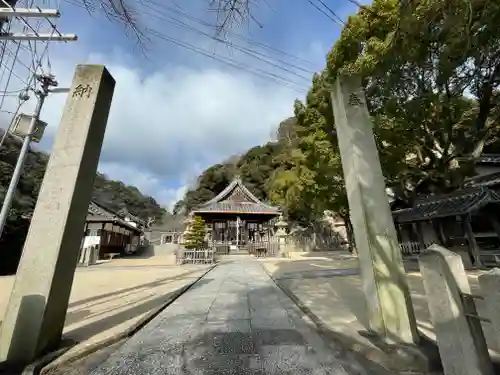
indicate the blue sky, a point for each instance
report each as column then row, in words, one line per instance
column 176, row 112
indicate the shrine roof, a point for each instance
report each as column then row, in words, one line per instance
column 482, row 159
column 125, row 213
column 484, row 180
column 98, row 213
column 236, row 198
column 458, row 203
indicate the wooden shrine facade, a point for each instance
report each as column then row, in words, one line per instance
column 109, row 232
column 236, row 218
column 467, row 219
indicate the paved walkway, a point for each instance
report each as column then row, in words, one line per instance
column 233, row 321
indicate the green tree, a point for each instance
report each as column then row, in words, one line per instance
column 432, row 74
column 254, row 168
column 195, row 237
column 113, row 194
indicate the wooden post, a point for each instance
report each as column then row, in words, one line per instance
column 473, row 247
column 34, row 321
column 420, row 234
column 495, row 224
column 442, row 235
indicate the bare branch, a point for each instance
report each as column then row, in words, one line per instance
column 229, row 14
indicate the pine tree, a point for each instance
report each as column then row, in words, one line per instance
column 195, row 237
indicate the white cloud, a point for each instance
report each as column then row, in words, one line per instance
column 147, row 182
column 167, row 125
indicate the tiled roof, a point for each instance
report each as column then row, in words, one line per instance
column 246, row 203
column 238, row 207
column 488, row 158
column 97, row 212
column 124, row 213
column 458, row 203
column 482, row 159
column 174, row 223
column 489, row 179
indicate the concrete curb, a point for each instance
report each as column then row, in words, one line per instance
column 395, row 358
column 49, row 361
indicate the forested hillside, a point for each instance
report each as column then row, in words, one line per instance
column 113, row 194
column 431, row 73
column 254, row 167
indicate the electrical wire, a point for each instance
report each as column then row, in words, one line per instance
column 335, row 15
column 233, row 63
column 247, row 51
column 322, row 11
column 230, row 34
column 36, row 64
column 164, row 14
column 14, row 115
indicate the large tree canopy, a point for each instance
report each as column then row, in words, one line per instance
column 431, row 73
column 254, row 168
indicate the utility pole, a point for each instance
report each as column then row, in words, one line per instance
column 7, row 12
column 46, row 81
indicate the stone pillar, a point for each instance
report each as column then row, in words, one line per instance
column 89, row 256
column 459, row 334
column 385, row 286
column 490, row 290
column 281, row 235
column 34, row 321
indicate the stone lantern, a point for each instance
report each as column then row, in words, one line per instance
column 208, row 234
column 281, row 235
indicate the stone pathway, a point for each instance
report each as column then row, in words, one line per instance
column 315, row 274
column 233, row 321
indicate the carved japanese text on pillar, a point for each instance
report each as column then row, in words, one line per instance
column 355, row 100
column 82, row 91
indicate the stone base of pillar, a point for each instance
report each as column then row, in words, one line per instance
column 89, row 256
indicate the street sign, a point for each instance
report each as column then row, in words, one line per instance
column 21, row 124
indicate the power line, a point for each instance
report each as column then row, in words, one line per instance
column 235, row 64
column 323, row 12
column 231, row 34
column 252, row 53
column 335, row 15
column 164, row 9
column 14, row 55
column 236, row 46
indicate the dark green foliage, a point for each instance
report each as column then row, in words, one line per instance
column 254, row 169
column 116, row 195
column 195, row 237
column 112, row 194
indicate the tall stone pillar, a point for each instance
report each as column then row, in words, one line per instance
column 38, row 303
column 385, row 286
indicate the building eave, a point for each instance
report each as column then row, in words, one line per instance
column 275, row 213
column 235, row 183
column 459, row 203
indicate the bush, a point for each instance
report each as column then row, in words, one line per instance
column 195, row 237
